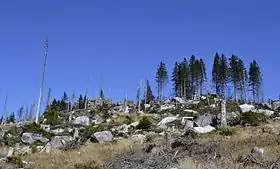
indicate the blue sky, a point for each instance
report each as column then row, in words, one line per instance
column 123, row 41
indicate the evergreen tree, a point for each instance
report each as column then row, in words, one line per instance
column 216, row 72
column 203, row 77
column 234, row 74
column 193, row 75
column 223, row 74
column 255, row 80
column 161, row 79
column 175, row 79
column 243, row 79
column 81, row 102
column 1, row 120
column 101, row 95
column 85, row 101
column 149, row 93
column 11, row 118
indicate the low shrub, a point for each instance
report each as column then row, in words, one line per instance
column 252, row 118
column 144, row 124
column 226, row 131
column 17, row 160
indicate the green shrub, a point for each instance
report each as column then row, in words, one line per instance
column 144, row 124
column 52, row 117
column 128, row 120
column 35, row 128
column 17, row 160
column 232, row 106
column 89, row 130
column 226, row 131
column 252, row 118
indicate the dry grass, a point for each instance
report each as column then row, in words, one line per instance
column 92, row 155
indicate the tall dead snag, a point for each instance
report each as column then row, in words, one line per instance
column 42, row 81
column 223, row 113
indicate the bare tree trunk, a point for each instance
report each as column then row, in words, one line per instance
column 223, row 114
column 42, row 83
column 140, row 90
column 5, row 106
column 49, row 96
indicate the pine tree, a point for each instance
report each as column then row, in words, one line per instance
column 11, row 118
column 193, row 73
column 216, row 72
column 223, row 74
column 81, row 102
column 175, row 79
column 255, row 80
column 101, row 94
column 243, row 78
column 161, row 79
column 149, row 93
column 1, row 120
column 203, row 77
column 234, row 74
column 138, row 96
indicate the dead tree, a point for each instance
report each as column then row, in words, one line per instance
column 42, row 82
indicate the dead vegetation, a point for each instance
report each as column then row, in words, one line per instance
column 92, row 156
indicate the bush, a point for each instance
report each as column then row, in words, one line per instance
column 144, row 124
column 226, row 131
column 52, row 117
column 252, row 118
column 232, row 106
column 17, row 160
column 35, row 128
column 89, row 130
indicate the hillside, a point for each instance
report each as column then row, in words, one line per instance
column 182, row 134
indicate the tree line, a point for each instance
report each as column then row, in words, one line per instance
column 189, row 78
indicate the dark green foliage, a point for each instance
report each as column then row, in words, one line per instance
column 1, row 120
column 215, row 73
column 17, row 160
column 226, row 131
column 103, row 110
column 89, row 130
column 144, row 124
column 11, row 118
column 101, row 95
column 35, row 128
column 81, row 102
column 252, row 118
column 161, row 79
column 52, row 117
column 128, row 120
column 149, row 93
column 232, row 106
column 255, row 80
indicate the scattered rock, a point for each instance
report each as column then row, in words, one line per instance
column 103, row 136
column 82, row 120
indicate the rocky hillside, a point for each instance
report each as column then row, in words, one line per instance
column 204, row 133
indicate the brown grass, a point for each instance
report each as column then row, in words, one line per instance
column 90, row 156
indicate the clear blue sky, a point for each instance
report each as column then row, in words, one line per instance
column 123, row 41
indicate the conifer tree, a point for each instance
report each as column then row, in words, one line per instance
column 216, row 73
column 255, row 80
column 81, row 102
column 192, row 75
column 234, row 74
column 203, row 77
column 149, row 93
column 101, row 94
column 223, row 74
column 184, row 73
column 175, row 79
column 161, row 79
column 1, row 120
